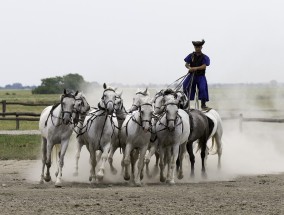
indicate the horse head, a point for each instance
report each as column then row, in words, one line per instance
column 171, row 111
column 158, row 104
column 67, row 102
column 146, row 113
column 183, row 100
column 139, row 98
column 81, row 105
column 108, row 99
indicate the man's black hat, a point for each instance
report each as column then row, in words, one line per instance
column 198, row 43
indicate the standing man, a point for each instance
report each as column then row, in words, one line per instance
column 196, row 63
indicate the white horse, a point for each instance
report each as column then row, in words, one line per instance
column 139, row 98
column 120, row 114
column 100, row 132
column 172, row 130
column 136, row 136
column 56, row 127
column 216, row 133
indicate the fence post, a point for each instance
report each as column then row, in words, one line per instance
column 17, row 122
column 241, row 122
column 3, row 107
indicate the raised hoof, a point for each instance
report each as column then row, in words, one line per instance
column 47, row 178
column 147, row 161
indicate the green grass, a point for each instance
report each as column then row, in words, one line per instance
column 20, row 147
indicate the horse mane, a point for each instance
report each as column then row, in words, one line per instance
column 169, row 91
column 144, row 93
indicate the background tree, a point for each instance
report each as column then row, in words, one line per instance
column 56, row 85
column 50, row 86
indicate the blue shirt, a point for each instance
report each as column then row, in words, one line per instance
column 206, row 59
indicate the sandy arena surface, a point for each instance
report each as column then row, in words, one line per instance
column 19, row 194
column 251, row 181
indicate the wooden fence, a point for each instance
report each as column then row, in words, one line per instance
column 18, row 116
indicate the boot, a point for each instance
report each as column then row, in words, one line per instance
column 203, row 105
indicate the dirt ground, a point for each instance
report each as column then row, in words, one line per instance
column 19, row 194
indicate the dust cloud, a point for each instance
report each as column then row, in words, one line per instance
column 257, row 149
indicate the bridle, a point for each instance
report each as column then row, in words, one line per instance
column 105, row 103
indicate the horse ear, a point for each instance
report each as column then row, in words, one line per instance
column 76, row 93
column 104, row 85
column 175, row 95
column 119, row 94
column 64, row 91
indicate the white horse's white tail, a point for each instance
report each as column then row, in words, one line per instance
column 214, row 147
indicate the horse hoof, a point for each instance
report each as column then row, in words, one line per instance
column 180, row 176
column 100, row 177
column 162, row 179
column 138, row 184
column 172, row 182
column 47, row 178
column 75, row 174
column 192, row 174
column 147, row 161
column 58, row 184
column 204, row 175
column 127, row 177
column 41, row 181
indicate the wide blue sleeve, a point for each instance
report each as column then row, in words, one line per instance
column 188, row 59
column 206, row 60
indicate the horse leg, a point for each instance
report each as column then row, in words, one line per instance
column 140, row 166
column 162, row 164
column 133, row 159
column 219, row 148
column 182, row 151
column 77, row 157
column 103, row 159
column 191, row 157
column 173, row 163
column 168, row 158
column 203, row 147
column 110, row 159
column 126, row 161
column 64, row 146
column 47, row 177
column 43, row 148
column 93, row 162
column 152, row 150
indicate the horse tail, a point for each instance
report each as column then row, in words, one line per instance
column 55, row 152
column 213, row 149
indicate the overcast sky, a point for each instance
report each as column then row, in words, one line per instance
column 140, row 41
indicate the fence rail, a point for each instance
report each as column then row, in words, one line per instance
column 35, row 116
column 20, row 116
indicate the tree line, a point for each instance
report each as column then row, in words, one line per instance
column 56, row 85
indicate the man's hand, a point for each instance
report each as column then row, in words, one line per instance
column 192, row 69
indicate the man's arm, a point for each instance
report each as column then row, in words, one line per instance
column 193, row 69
